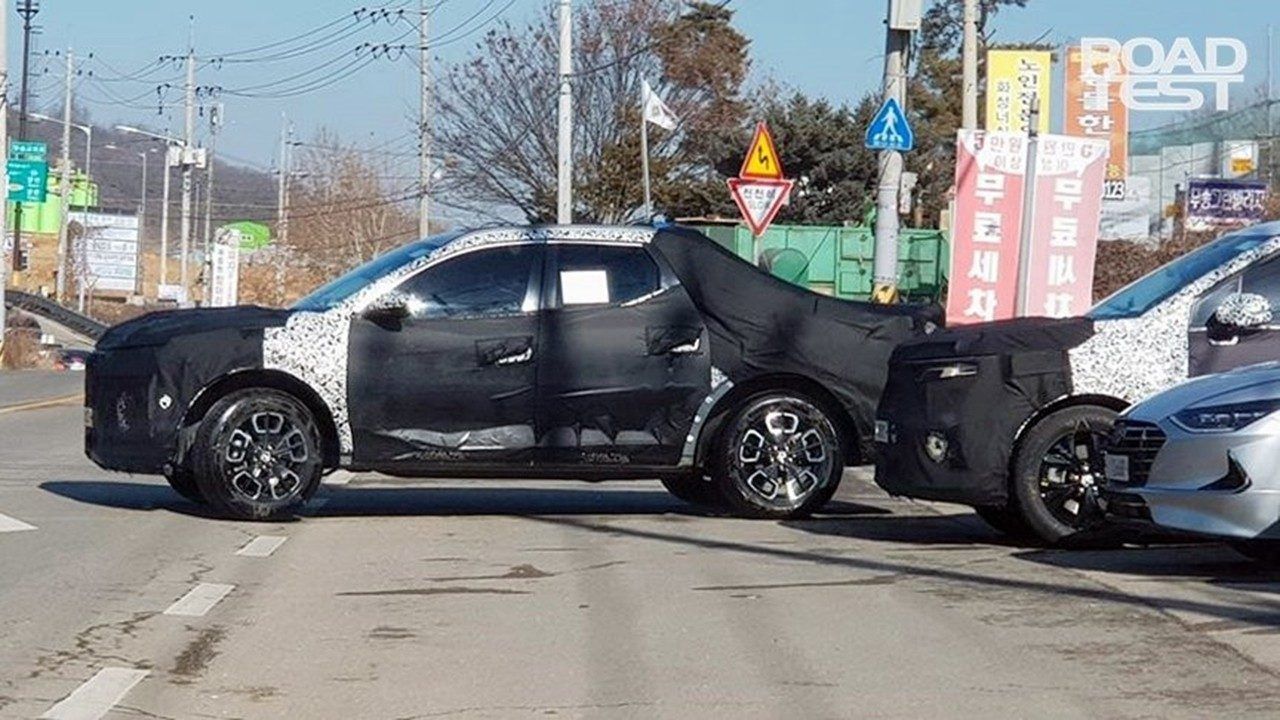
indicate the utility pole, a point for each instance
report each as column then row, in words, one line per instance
column 4, row 145
column 142, row 213
column 215, row 124
column 64, row 182
column 970, row 114
column 164, row 216
column 886, row 259
column 27, row 9
column 188, row 161
column 282, row 201
column 424, row 125
column 564, row 194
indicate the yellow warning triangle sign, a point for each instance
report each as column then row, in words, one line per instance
column 762, row 161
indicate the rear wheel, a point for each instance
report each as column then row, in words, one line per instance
column 778, row 456
column 257, row 454
column 1058, row 473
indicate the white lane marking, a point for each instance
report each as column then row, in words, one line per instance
column 262, row 546
column 97, row 695
column 199, row 600
column 8, row 524
column 338, row 477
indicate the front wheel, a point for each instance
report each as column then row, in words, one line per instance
column 779, row 456
column 182, row 480
column 1058, row 473
column 257, row 454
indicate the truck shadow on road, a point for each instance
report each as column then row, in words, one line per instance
column 426, row 500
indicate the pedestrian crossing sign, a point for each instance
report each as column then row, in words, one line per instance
column 762, row 161
column 890, row 129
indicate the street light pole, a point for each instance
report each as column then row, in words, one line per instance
column 64, row 189
column 890, row 175
column 142, row 210
column 170, row 143
column 564, row 194
column 970, row 54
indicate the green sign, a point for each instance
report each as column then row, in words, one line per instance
column 28, row 180
column 28, row 150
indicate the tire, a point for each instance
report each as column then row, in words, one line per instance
column 1005, row 521
column 1057, row 472
column 1266, row 552
column 778, row 436
column 183, row 481
column 257, row 454
column 695, row 491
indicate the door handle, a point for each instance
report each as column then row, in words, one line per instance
column 517, row 359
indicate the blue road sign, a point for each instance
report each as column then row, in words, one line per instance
column 890, row 129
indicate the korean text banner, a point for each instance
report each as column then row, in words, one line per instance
column 1094, row 108
column 1065, row 218
column 1219, row 202
column 1014, row 79
column 988, row 221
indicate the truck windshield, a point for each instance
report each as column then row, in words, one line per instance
column 1162, row 283
column 334, row 292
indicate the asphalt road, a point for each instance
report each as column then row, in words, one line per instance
column 536, row 599
column 19, row 387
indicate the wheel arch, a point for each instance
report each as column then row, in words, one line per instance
column 731, row 400
column 276, row 380
column 1063, row 403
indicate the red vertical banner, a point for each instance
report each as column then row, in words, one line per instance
column 983, row 283
column 1064, row 238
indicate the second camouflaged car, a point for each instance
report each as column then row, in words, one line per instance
column 1009, row 417
column 576, row 352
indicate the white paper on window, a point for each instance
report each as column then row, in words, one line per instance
column 584, row 287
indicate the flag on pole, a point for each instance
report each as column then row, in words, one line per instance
column 656, row 111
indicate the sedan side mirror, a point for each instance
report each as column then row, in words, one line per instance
column 1244, row 310
column 392, row 307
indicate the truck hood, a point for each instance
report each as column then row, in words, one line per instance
column 158, row 328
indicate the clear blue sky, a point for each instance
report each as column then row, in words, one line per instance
column 824, row 47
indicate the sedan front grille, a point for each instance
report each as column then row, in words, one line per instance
column 1139, row 441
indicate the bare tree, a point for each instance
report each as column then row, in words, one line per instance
column 346, row 208
column 497, row 114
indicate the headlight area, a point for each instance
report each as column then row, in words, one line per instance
column 1224, row 418
column 948, row 371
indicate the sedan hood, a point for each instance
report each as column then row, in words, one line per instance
column 159, row 328
column 1256, row 382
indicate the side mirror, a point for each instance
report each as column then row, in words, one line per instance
column 392, row 307
column 1244, row 310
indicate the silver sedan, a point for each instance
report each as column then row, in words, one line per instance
column 1201, row 457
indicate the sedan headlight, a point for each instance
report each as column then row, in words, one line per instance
column 1225, row 418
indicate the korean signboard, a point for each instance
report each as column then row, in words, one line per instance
column 988, row 220
column 110, row 244
column 1094, row 108
column 1216, row 203
column 760, row 190
column 986, row 237
column 1064, row 231
column 224, row 285
column 1017, row 80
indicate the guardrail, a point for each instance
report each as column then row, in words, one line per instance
column 50, row 310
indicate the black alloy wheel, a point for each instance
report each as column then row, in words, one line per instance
column 1058, row 476
column 258, row 454
column 780, row 456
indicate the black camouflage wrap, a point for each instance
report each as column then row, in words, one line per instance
column 1005, row 373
